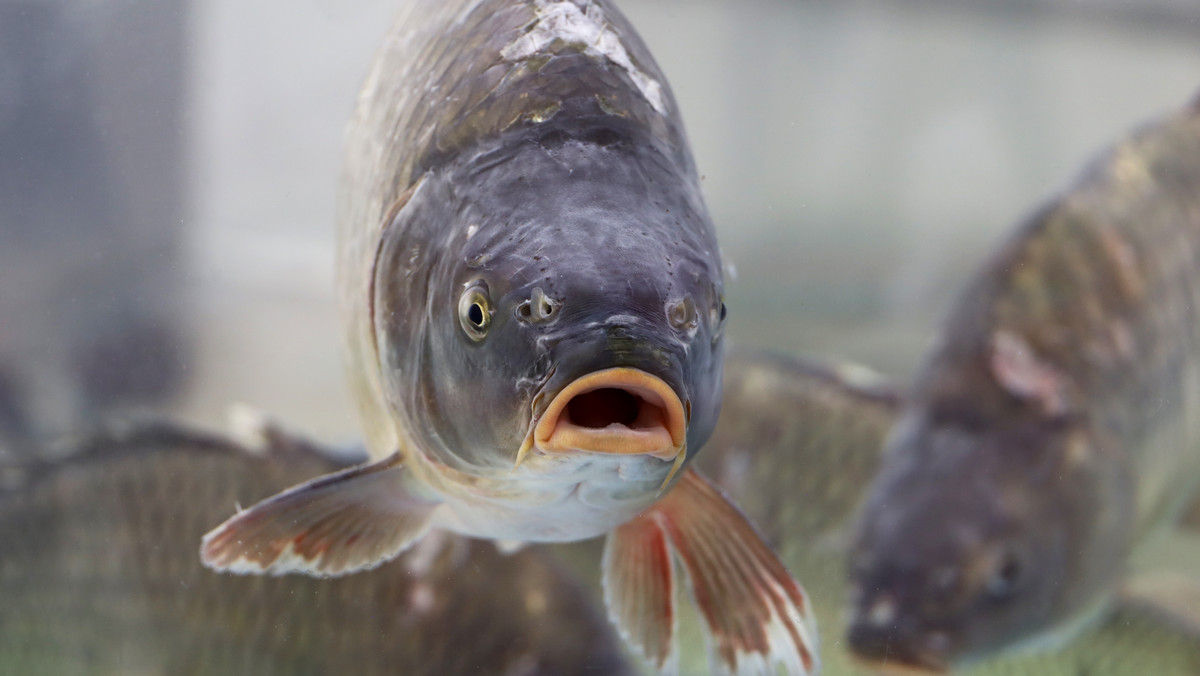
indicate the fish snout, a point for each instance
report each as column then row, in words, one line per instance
column 620, row 410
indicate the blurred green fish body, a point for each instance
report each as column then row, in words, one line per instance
column 99, row 575
column 532, row 300
column 1054, row 427
column 797, row 447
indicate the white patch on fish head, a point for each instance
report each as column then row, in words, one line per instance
column 582, row 24
column 882, row 612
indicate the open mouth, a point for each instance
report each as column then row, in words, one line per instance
column 622, row 411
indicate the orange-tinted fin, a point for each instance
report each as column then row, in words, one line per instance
column 333, row 525
column 757, row 617
column 639, row 589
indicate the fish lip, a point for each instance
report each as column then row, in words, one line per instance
column 554, row 432
column 890, row 666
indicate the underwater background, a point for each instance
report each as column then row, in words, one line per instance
column 169, row 170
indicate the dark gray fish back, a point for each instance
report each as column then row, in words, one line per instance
column 474, row 69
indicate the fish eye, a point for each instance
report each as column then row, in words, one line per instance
column 1006, row 577
column 475, row 311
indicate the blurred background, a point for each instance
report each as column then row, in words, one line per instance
column 167, row 176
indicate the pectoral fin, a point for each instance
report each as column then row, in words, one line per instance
column 757, row 617
column 333, row 525
column 639, row 588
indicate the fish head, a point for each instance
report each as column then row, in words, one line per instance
column 572, row 318
column 967, row 543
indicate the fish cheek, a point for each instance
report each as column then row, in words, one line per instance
column 704, row 373
column 705, row 380
column 434, row 379
column 474, row 386
column 399, row 281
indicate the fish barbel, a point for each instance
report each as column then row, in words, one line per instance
column 99, row 575
column 1054, row 426
column 531, row 290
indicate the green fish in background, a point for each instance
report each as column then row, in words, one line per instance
column 531, row 292
column 99, row 575
column 1055, row 426
column 797, row 447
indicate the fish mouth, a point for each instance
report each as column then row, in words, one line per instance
column 891, row 667
column 880, row 656
column 620, row 411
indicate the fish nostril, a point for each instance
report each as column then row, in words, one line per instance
column 682, row 314
column 539, row 308
column 542, row 306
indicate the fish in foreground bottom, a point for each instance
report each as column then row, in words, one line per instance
column 99, row 575
column 532, row 297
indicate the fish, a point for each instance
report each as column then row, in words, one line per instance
column 1054, row 426
column 99, row 575
column 797, row 447
column 531, row 292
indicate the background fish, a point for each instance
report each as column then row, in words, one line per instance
column 99, row 575
column 1055, row 425
column 532, row 297
column 797, row 447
